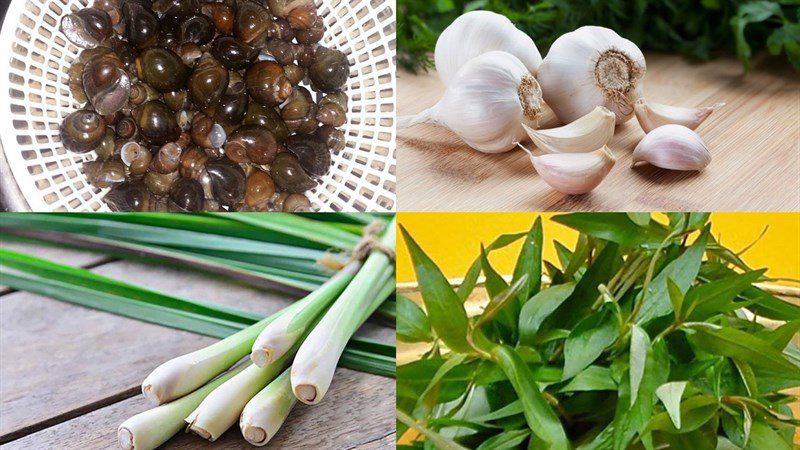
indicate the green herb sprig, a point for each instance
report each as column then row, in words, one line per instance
column 697, row 29
column 644, row 336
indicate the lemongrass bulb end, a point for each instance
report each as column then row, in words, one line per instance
column 125, row 438
column 151, row 396
column 306, row 393
column 261, row 356
column 254, row 434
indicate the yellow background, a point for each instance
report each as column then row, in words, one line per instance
column 453, row 239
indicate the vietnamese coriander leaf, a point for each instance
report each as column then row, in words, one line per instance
column 412, row 323
column 529, row 262
column 587, row 341
column 539, row 308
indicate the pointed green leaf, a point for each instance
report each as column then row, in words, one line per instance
column 471, row 278
column 593, row 378
column 428, row 398
column 587, row 341
column 640, row 344
column 505, row 440
column 445, row 310
column 676, row 298
column 511, row 409
column 615, row 227
column 539, row 308
column 694, row 413
column 495, row 284
column 683, row 270
column 762, row 436
column 586, row 293
column 780, row 337
column 670, row 395
column 543, row 422
column 500, row 301
column 440, row 442
column 529, row 261
column 412, row 323
column 641, row 219
column 740, row 345
column 718, row 296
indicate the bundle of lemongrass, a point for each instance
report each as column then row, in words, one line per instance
column 292, row 356
column 591, row 79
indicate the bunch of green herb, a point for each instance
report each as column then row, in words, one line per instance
column 697, row 29
column 644, row 337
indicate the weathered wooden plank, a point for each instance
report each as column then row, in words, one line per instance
column 67, row 357
column 57, row 254
column 754, row 140
column 358, row 412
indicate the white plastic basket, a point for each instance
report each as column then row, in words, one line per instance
column 40, row 175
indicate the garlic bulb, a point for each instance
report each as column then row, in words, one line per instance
column 574, row 173
column 486, row 103
column 654, row 115
column 673, row 147
column 590, row 67
column 478, row 32
column 590, row 132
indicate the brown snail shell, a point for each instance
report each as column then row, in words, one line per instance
column 126, row 53
column 142, row 92
column 227, row 181
column 189, row 53
column 280, row 8
column 130, row 196
column 233, row 53
column 232, row 106
column 186, row 195
column 251, row 143
column 259, row 188
column 289, row 176
column 197, row 29
column 107, row 147
column 126, row 128
column 333, row 138
column 330, row 70
column 304, row 54
column 177, row 100
column 267, row 83
column 206, row 133
column 267, row 117
column 106, row 84
column 157, row 123
column 193, row 162
column 251, row 23
column 294, row 73
column 105, row 173
column 167, row 159
column 160, row 183
column 82, row 131
column 221, row 15
column 136, row 156
column 111, row 7
column 331, row 114
column 296, row 203
column 176, row 7
column 87, row 28
column 75, row 82
column 141, row 24
column 311, row 151
column 162, row 69
column 207, row 82
column 311, row 35
column 298, row 106
column 302, row 17
column 281, row 29
column 282, row 51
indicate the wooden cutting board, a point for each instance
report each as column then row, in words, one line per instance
column 754, row 141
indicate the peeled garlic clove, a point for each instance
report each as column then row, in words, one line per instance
column 590, row 132
column 654, row 115
column 478, row 32
column 673, row 147
column 486, row 103
column 574, row 173
column 590, row 67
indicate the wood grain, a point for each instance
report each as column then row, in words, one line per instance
column 69, row 361
column 754, row 140
column 358, row 412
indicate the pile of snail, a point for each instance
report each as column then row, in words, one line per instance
column 199, row 105
column 497, row 86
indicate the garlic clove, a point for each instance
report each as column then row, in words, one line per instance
column 574, row 173
column 654, row 115
column 590, row 132
column 674, row 147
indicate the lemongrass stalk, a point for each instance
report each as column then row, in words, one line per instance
column 151, row 428
column 313, row 371
column 317, row 357
column 265, row 413
column 222, row 407
column 180, row 376
column 280, row 335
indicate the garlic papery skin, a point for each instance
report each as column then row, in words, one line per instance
column 590, row 132
column 486, row 103
column 478, row 32
column 574, row 173
column 673, row 147
column 590, row 67
column 654, row 115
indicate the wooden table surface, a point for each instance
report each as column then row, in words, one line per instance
column 70, row 375
column 754, row 141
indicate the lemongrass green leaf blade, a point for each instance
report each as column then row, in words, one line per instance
column 445, row 309
column 541, row 418
column 302, row 227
